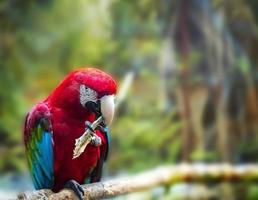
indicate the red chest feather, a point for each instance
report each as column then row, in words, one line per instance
column 66, row 129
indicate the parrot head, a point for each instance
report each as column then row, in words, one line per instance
column 86, row 91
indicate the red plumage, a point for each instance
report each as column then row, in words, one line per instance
column 68, row 117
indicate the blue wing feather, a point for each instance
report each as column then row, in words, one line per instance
column 42, row 164
column 108, row 139
column 104, row 149
column 39, row 146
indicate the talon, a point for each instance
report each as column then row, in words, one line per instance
column 96, row 140
column 89, row 126
column 76, row 187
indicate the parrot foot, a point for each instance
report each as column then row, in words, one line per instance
column 95, row 140
column 89, row 126
column 76, row 187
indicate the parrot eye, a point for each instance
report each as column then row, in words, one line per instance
column 87, row 89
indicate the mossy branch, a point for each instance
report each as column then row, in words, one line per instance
column 165, row 175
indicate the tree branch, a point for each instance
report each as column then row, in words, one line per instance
column 166, row 175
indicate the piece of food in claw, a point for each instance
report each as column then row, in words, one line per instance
column 82, row 142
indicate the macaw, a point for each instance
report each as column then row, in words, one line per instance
column 52, row 126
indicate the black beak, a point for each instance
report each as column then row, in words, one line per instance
column 94, row 107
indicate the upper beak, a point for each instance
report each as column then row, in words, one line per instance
column 107, row 108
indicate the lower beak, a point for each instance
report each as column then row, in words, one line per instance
column 107, row 108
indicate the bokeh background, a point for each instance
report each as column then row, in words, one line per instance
column 187, row 71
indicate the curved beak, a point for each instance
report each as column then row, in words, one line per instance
column 107, row 108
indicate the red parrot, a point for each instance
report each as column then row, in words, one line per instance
column 52, row 126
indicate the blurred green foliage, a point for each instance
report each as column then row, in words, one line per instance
column 41, row 41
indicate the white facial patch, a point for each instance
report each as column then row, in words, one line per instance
column 87, row 94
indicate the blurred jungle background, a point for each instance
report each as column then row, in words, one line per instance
column 187, row 71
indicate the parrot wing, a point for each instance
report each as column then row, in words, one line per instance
column 38, row 140
column 97, row 172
